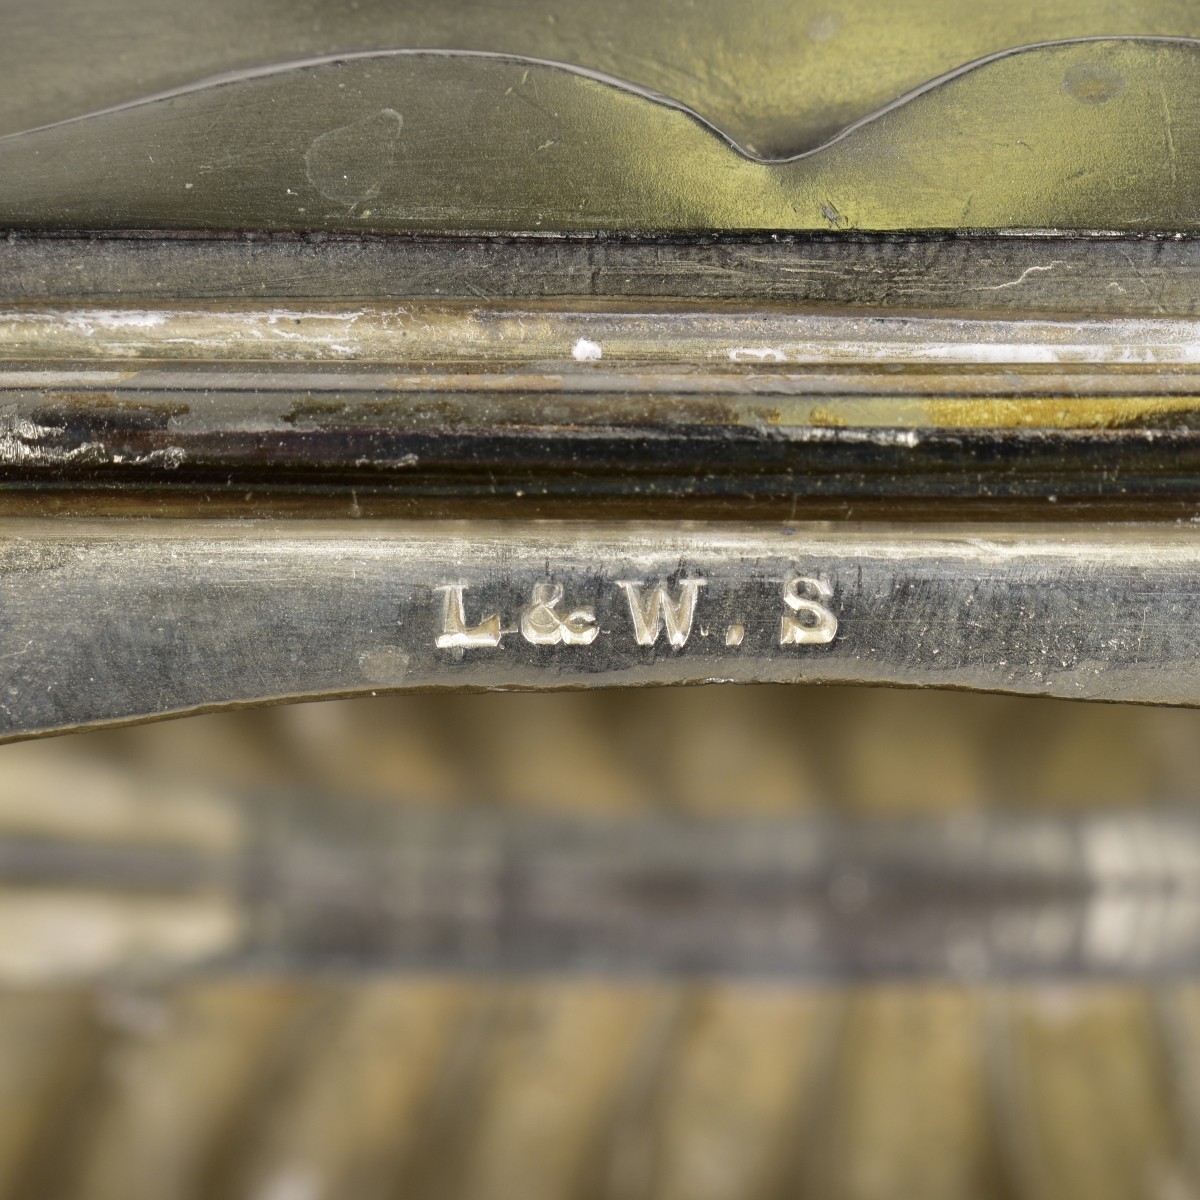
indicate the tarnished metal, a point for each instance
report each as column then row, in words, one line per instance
column 578, row 408
column 1086, row 135
column 508, row 334
column 120, row 621
column 518, row 276
column 1056, row 275
column 1051, row 137
column 779, row 78
column 634, row 268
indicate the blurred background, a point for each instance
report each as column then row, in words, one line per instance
column 689, row 943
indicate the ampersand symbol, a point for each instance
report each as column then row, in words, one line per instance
column 543, row 625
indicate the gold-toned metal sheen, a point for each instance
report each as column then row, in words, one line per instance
column 1092, row 135
column 553, row 363
column 779, row 78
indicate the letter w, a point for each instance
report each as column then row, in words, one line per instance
column 650, row 613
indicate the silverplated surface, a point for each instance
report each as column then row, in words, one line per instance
column 1051, row 274
column 635, row 268
column 115, row 621
column 606, row 406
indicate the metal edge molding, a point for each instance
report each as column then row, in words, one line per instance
column 104, row 622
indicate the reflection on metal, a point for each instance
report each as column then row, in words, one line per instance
column 110, row 622
column 741, row 341
column 310, row 886
column 213, row 306
column 1058, row 136
column 780, row 78
column 455, row 406
column 223, row 297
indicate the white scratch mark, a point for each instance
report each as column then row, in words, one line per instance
column 1020, row 279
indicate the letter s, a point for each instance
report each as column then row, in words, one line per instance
column 810, row 621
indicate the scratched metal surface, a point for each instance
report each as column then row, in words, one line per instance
column 1054, row 401
column 1059, row 275
column 119, row 853
column 1060, row 382
column 114, row 622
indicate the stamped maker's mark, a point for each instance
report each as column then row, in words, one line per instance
column 655, row 609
